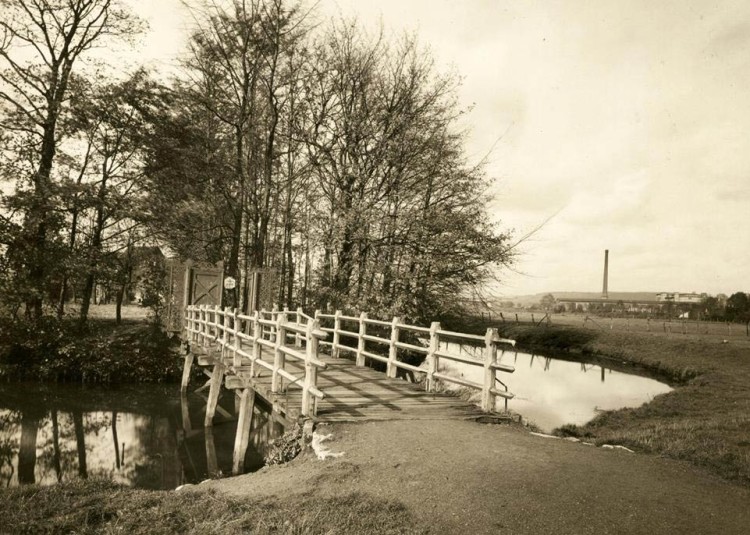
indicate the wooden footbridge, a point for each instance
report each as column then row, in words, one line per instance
column 315, row 367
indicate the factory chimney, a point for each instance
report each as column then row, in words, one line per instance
column 605, row 295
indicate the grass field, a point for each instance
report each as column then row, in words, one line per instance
column 670, row 328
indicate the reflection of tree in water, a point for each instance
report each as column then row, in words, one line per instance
column 51, row 442
column 10, row 422
column 157, row 464
column 65, row 443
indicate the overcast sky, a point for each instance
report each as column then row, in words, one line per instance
column 626, row 127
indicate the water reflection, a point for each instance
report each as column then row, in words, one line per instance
column 552, row 392
column 147, row 437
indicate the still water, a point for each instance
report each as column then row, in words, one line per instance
column 144, row 436
column 552, row 392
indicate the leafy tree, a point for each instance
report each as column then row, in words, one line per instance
column 41, row 42
column 547, row 302
column 738, row 307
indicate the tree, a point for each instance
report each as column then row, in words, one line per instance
column 41, row 41
column 738, row 307
column 547, row 302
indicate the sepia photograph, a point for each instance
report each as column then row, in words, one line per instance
column 374, row 267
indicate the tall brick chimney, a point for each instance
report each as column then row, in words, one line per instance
column 605, row 295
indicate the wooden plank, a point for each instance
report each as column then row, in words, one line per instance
column 244, row 424
column 213, row 394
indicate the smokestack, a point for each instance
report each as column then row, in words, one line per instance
column 606, row 273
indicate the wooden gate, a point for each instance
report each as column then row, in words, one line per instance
column 204, row 285
column 190, row 283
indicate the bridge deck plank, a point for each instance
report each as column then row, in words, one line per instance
column 353, row 393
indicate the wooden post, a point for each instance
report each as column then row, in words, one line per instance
column 212, row 463
column 187, row 368
column 244, row 424
column 298, row 336
column 257, row 349
column 433, row 360
column 204, row 325
column 236, row 358
column 309, row 401
column 217, row 376
column 392, row 368
column 279, row 359
column 225, row 332
column 516, row 318
column 360, row 340
column 490, row 356
column 336, row 334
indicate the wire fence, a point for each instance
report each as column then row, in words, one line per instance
column 612, row 322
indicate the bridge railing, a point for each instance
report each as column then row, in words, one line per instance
column 355, row 328
column 244, row 336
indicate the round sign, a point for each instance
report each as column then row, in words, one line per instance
column 230, row 283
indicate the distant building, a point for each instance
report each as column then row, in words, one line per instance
column 677, row 297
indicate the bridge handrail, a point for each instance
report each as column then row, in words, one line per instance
column 390, row 337
column 228, row 329
column 271, row 329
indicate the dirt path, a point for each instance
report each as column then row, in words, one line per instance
column 464, row 477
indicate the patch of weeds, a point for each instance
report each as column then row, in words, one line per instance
column 285, row 448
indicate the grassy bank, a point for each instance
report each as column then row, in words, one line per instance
column 704, row 420
column 103, row 507
column 101, row 352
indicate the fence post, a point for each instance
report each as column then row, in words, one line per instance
column 432, row 358
column 224, row 332
column 237, row 359
column 203, row 320
column 309, row 401
column 279, row 357
column 336, row 334
column 361, row 340
column 257, row 349
column 490, row 357
column 298, row 336
column 392, row 369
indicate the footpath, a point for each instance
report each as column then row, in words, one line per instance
column 465, row 477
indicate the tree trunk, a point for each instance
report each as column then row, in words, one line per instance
column 80, row 444
column 96, row 244
column 27, row 448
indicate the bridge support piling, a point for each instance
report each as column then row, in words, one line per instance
column 217, row 377
column 187, row 368
column 244, row 424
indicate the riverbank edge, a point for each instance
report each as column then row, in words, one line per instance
column 103, row 352
column 703, row 420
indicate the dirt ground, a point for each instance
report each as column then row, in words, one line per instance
column 465, row 477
